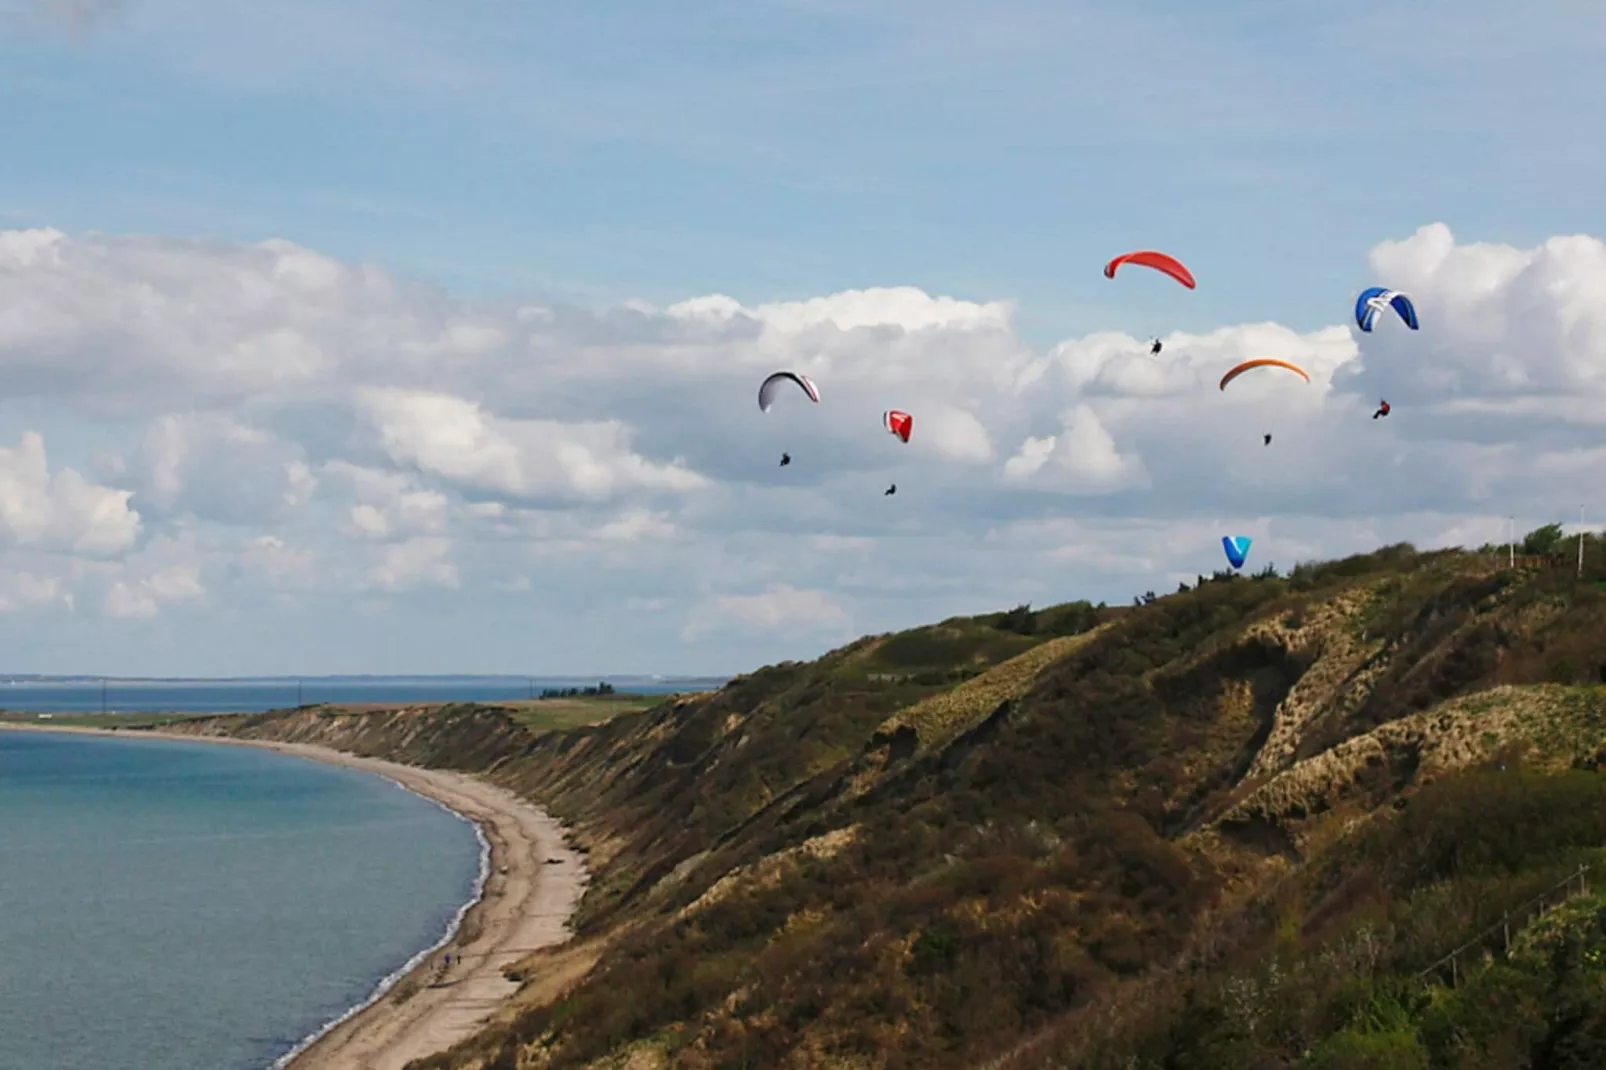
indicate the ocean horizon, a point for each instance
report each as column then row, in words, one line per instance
column 33, row 693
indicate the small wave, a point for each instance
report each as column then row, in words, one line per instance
column 389, row 980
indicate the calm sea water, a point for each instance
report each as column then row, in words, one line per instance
column 192, row 906
column 256, row 695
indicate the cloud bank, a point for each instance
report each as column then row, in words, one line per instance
column 295, row 458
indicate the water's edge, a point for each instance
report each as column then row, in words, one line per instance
column 390, row 980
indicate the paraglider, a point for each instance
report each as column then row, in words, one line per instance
column 1382, row 410
column 1162, row 262
column 898, row 424
column 786, row 459
column 1263, row 362
column 768, row 388
column 1376, row 299
column 1237, row 548
column 890, row 491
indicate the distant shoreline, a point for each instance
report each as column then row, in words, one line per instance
column 532, row 883
column 63, row 696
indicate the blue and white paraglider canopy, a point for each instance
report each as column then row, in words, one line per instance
column 1237, row 548
column 1374, row 299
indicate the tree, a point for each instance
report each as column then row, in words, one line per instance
column 1541, row 542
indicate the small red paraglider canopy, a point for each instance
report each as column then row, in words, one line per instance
column 898, row 423
column 1158, row 261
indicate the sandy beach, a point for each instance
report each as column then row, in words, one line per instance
column 534, row 885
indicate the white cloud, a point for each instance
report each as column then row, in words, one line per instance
column 1510, row 330
column 348, row 442
column 421, row 562
column 779, row 606
column 144, row 598
column 1082, row 458
column 454, row 439
column 21, row 591
column 63, row 510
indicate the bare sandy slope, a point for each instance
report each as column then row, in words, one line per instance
column 534, row 886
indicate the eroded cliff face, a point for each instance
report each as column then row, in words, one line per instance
column 924, row 846
column 468, row 738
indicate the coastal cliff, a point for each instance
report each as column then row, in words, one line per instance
column 1230, row 826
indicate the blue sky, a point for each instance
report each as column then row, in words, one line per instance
column 776, row 150
column 486, row 156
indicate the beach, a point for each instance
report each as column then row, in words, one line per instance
column 533, row 884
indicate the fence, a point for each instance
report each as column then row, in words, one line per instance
column 1574, row 884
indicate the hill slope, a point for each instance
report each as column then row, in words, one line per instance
column 983, row 840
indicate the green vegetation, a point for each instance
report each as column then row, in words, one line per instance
column 601, row 690
column 548, row 714
column 99, row 720
column 1235, row 826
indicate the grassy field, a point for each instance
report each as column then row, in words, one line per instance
column 98, row 720
column 548, row 714
column 538, row 715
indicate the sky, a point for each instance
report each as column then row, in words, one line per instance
column 392, row 336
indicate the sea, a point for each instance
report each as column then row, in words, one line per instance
column 169, row 905
column 93, row 694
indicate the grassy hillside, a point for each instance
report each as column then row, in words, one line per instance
column 1228, row 827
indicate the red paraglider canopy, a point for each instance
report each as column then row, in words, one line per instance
column 1158, row 261
column 898, row 423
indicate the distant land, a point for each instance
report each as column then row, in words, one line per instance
column 38, row 693
column 617, row 681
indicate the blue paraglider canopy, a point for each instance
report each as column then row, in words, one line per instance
column 1237, row 548
column 1375, row 299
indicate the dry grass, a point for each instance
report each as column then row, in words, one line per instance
column 941, row 718
column 768, row 871
column 1559, row 723
column 1339, row 678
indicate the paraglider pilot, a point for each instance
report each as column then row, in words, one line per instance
column 1382, row 410
column 1268, row 440
column 890, row 490
column 1154, row 349
column 786, row 459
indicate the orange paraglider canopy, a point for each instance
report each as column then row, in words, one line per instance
column 1158, row 261
column 1263, row 362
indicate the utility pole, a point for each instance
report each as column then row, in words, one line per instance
column 1580, row 542
column 1512, row 545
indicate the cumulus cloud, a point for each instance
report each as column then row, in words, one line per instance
column 22, row 591
column 63, row 510
column 274, row 423
column 455, row 440
column 144, row 597
column 1506, row 331
column 420, row 562
column 778, row 607
column 1082, row 458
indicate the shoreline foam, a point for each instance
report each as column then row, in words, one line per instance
column 395, row 977
column 532, row 884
